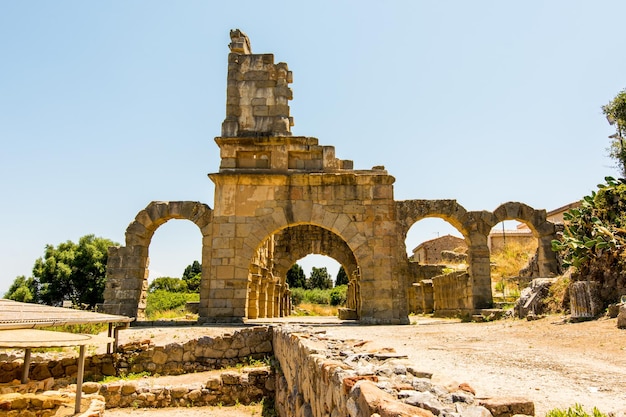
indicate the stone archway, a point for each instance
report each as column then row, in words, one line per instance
column 293, row 243
column 127, row 266
column 542, row 229
column 269, row 181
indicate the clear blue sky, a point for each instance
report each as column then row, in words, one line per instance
column 106, row 106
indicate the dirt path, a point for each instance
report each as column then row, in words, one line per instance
column 553, row 363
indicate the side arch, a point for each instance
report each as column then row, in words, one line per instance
column 543, row 229
column 127, row 266
column 410, row 212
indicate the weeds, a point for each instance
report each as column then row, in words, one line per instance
column 575, row 411
column 126, row 377
column 506, row 263
column 310, row 309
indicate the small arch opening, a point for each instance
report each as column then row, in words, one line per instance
column 175, row 246
column 513, row 257
column 434, row 241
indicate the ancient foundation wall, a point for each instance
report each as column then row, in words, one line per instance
column 422, row 300
column 314, row 375
column 204, row 354
column 320, row 376
column 452, row 293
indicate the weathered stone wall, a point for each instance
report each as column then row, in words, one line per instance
column 423, row 301
column 48, row 404
column 452, row 293
column 204, row 354
column 320, row 376
column 243, row 386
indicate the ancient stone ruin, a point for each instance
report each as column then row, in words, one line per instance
column 280, row 197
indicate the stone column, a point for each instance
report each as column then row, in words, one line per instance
column 546, row 258
column 277, row 299
column 253, row 296
column 262, row 298
column 480, row 273
column 127, row 281
column 270, row 299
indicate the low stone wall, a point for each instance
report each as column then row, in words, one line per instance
column 320, row 376
column 203, row 354
column 452, row 294
column 243, row 386
column 422, row 301
column 50, row 403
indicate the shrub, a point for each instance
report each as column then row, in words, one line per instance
column 338, row 295
column 314, row 296
column 161, row 300
column 297, row 295
column 318, row 296
column 168, row 284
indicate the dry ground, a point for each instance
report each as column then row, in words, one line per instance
column 549, row 361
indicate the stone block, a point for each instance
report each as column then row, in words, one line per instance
column 621, row 317
column 256, row 76
column 508, row 406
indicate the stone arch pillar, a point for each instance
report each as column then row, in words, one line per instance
column 479, row 269
column 127, row 266
column 543, row 230
column 262, row 299
column 253, row 296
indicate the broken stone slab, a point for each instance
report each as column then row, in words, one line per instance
column 621, row 317
column 383, row 356
column 369, row 399
column 427, row 401
column 508, row 406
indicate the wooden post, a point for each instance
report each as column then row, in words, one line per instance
column 26, row 366
column 79, row 379
column 110, row 333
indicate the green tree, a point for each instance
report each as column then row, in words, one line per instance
column 23, row 289
column 193, row 276
column 615, row 112
column 296, row 277
column 342, row 277
column 73, row 272
column 168, row 284
column 320, row 278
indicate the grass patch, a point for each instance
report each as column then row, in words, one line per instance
column 575, row 411
column 128, row 377
column 556, row 300
column 506, row 263
column 312, row 309
column 161, row 301
column 86, row 328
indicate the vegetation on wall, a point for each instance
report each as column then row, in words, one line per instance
column 594, row 238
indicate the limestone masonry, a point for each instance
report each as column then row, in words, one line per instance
column 280, row 197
